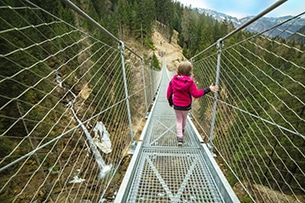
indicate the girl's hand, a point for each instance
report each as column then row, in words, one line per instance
column 214, row 88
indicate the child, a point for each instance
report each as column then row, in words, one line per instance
column 179, row 94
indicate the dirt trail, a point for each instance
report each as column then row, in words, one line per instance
column 172, row 51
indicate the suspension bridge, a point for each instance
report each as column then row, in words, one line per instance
column 167, row 173
column 77, row 109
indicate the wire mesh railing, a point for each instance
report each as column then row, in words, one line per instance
column 71, row 106
column 258, row 131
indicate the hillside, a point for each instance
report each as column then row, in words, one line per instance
column 172, row 51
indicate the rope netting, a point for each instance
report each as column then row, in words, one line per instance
column 72, row 106
column 259, row 129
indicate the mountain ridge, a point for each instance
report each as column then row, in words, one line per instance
column 262, row 24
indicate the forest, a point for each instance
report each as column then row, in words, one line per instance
column 136, row 19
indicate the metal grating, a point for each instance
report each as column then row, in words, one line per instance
column 162, row 132
column 173, row 175
column 160, row 171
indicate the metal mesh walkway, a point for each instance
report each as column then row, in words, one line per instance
column 160, row 171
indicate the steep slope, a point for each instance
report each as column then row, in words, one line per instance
column 172, row 51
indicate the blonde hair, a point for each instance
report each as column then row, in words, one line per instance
column 185, row 68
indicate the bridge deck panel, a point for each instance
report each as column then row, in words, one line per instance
column 162, row 171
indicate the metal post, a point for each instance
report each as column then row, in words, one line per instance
column 151, row 88
column 144, row 86
column 133, row 144
column 219, row 46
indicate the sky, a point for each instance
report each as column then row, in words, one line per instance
column 243, row 8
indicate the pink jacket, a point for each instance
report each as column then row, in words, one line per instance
column 181, row 89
